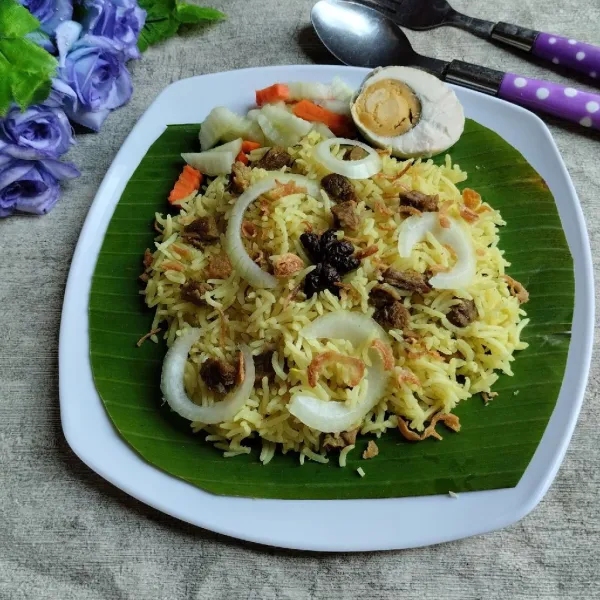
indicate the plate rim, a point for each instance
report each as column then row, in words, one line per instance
column 168, row 494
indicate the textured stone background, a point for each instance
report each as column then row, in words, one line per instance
column 67, row 534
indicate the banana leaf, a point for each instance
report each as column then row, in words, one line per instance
column 496, row 441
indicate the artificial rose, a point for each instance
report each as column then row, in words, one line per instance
column 31, row 186
column 95, row 75
column 119, row 20
column 50, row 13
column 39, row 132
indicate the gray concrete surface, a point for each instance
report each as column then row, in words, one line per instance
column 67, row 534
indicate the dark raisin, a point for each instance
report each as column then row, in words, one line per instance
column 342, row 262
column 328, row 238
column 312, row 245
column 217, row 374
column 324, row 277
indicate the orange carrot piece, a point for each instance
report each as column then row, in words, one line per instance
column 189, row 180
column 248, row 146
column 242, row 157
column 273, row 93
column 309, row 111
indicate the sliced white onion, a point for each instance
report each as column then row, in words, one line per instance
column 218, row 122
column 339, row 90
column 332, row 416
column 234, row 146
column 310, row 90
column 242, row 263
column 341, row 107
column 323, row 130
column 211, row 162
column 173, row 388
column 353, row 169
column 415, row 229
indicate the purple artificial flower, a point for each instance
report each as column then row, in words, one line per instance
column 94, row 79
column 119, row 20
column 31, row 186
column 39, row 132
column 50, row 13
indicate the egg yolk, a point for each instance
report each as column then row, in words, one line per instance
column 388, row 108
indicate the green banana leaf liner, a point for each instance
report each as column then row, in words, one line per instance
column 496, row 441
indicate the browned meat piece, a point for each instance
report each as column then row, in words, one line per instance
column 460, row 315
column 338, row 188
column 383, row 295
column 218, row 375
column 193, row 291
column 263, row 367
column 337, row 441
column 275, row 159
column 392, row 316
column 218, row 267
column 371, row 451
column 287, row 265
column 240, row 178
column 345, row 215
column 420, row 201
column 407, row 280
column 200, row 232
column 355, row 153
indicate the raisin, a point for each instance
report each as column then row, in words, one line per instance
column 342, row 262
column 312, row 245
column 324, row 277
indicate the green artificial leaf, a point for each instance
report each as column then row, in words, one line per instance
column 25, row 68
column 190, row 13
column 157, row 31
column 164, row 17
column 496, row 441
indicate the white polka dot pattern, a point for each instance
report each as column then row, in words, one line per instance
column 545, row 96
column 568, row 53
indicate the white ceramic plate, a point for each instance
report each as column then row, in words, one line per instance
column 328, row 525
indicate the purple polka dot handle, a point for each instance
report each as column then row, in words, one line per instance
column 569, row 53
column 563, row 102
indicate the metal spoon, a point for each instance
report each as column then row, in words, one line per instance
column 427, row 14
column 360, row 36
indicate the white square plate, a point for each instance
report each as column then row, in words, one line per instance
column 328, row 525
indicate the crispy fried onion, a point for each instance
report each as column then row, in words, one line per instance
column 148, row 335
column 471, row 198
column 517, row 289
column 406, row 376
column 248, row 229
column 487, row 396
column 286, row 265
column 410, row 210
column 385, row 352
column 357, row 366
column 382, row 209
column 241, row 373
column 368, row 251
column 470, row 216
column 286, row 189
column 148, row 258
column 451, row 421
column 443, row 214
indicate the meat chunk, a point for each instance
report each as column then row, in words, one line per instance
column 338, row 188
column 460, row 315
column 201, row 231
column 355, row 153
column 392, row 316
column 240, row 178
column 263, row 367
column 345, row 215
column 407, row 280
column 337, row 441
column 287, row 265
column 371, row 451
column 383, row 295
column 193, row 291
column 218, row 267
column 420, row 201
column 218, row 375
column 275, row 159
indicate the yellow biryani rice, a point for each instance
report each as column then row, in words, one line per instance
column 450, row 364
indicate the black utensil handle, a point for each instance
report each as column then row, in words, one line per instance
column 515, row 36
column 474, row 77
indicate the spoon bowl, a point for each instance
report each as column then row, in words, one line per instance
column 358, row 35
